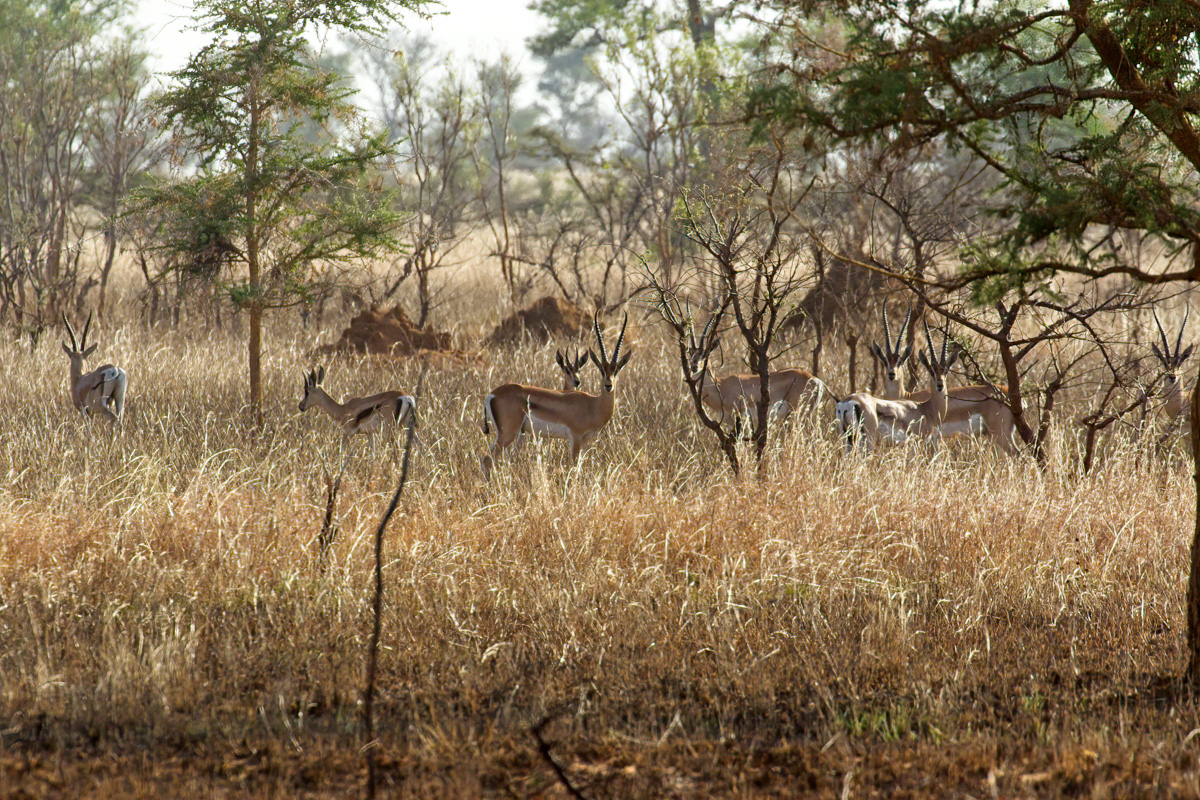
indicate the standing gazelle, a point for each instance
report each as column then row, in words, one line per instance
column 101, row 391
column 736, row 396
column 869, row 420
column 1175, row 401
column 358, row 414
column 575, row 416
column 970, row 410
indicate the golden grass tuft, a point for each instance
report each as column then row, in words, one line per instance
column 900, row 624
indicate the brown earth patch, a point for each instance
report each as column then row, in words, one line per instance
column 546, row 319
column 390, row 332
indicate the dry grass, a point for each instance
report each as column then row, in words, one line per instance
column 893, row 626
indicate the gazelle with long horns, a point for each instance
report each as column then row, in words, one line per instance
column 870, row 420
column 515, row 409
column 736, row 396
column 101, row 391
column 1176, row 402
column 357, row 415
column 970, row 410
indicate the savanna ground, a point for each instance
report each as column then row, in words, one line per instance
column 894, row 626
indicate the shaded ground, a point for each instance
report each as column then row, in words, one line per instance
column 996, row 744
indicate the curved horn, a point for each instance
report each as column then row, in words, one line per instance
column 621, row 337
column 887, row 333
column 904, row 329
column 929, row 344
column 1179, row 340
column 599, row 336
column 70, row 332
column 87, row 325
column 1162, row 334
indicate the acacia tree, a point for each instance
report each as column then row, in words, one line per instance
column 270, row 201
column 1086, row 111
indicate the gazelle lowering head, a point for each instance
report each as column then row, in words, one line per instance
column 515, row 409
column 101, row 391
column 357, row 415
column 735, row 396
column 1171, row 359
column 570, row 366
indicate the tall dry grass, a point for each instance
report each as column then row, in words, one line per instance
column 160, row 592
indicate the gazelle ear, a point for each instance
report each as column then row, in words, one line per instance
column 712, row 345
column 907, row 354
column 89, row 351
column 1186, row 353
column 877, row 351
column 558, row 359
column 596, row 361
column 1153, row 348
column 320, row 375
column 67, row 350
column 624, row 360
column 953, row 358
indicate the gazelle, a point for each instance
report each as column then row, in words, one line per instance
column 358, row 415
column 736, row 396
column 868, row 419
column 570, row 367
column 101, row 391
column 515, row 409
column 970, row 410
column 1176, row 402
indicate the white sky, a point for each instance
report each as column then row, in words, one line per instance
column 469, row 28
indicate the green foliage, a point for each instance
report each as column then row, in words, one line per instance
column 1086, row 114
column 286, row 172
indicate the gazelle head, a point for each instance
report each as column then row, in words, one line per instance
column 609, row 367
column 1171, row 359
column 891, row 356
column 938, row 364
column 570, row 365
column 78, row 350
column 699, row 351
column 312, row 383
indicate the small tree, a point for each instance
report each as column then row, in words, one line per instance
column 269, row 201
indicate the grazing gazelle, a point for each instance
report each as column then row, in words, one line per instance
column 101, row 391
column 357, row 414
column 970, row 410
column 869, row 420
column 736, row 396
column 1175, row 401
column 570, row 367
column 576, row 416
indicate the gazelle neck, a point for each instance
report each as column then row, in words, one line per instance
column 893, row 387
column 1173, row 395
column 318, row 397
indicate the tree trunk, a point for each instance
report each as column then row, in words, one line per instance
column 256, row 362
column 1193, row 589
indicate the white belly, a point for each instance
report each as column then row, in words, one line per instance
column 536, row 424
column 973, row 425
column 892, row 431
